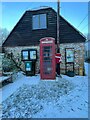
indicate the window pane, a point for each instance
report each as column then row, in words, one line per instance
column 43, row 21
column 39, row 21
column 25, row 55
column 32, row 55
column 35, row 21
column 70, row 55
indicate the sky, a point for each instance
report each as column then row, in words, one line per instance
column 73, row 12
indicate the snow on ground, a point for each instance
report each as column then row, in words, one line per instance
column 12, row 87
column 30, row 97
column 33, row 98
column 3, row 78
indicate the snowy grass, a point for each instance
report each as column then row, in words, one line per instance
column 67, row 97
column 31, row 99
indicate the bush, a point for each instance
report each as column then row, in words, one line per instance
column 6, row 69
column 8, row 65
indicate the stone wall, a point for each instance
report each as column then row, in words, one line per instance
column 17, row 55
column 78, row 50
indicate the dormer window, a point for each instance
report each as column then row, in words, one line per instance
column 39, row 21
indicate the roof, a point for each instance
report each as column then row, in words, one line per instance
column 23, row 35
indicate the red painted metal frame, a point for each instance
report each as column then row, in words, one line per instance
column 49, row 42
column 58, row 58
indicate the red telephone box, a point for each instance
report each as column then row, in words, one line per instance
column 47, row 58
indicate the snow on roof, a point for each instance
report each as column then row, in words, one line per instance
column 39, row 8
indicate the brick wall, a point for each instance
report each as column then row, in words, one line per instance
column 78, row 50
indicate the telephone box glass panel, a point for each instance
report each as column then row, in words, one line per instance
column 47, row 52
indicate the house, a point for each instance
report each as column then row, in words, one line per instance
column 36, row 24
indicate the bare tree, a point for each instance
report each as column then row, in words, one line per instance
column 3, row 35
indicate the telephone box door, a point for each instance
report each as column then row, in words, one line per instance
column 47, row 58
